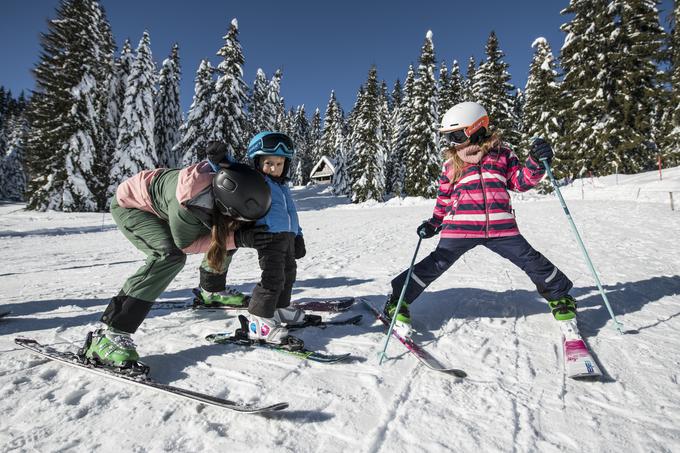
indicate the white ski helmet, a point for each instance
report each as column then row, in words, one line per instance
column 465, row 121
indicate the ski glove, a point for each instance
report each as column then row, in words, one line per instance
column 426, row 230
column 254, row 237
column 217, row 155
column 300, row 250
column 540, row 149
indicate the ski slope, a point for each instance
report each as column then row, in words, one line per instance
column 59, row 270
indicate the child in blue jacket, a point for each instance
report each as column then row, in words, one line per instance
column 279, row 245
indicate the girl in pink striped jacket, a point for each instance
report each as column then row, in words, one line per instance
column 473, row 208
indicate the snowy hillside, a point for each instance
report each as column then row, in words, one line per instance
column 484, row 316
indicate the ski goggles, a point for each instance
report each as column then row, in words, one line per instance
column 455, row 137
column 272, row 143
column 474, row 132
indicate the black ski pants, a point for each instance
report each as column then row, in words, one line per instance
column 277, row 261
column 550, row 282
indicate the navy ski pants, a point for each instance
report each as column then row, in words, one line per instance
column 550, row 282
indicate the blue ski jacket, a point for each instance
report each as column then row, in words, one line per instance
column 282, row 217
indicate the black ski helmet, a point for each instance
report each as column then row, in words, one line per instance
column 241, row 192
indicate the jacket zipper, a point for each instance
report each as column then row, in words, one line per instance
column 486, row 207
column 285, row 203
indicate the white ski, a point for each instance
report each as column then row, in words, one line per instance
column 578, row 362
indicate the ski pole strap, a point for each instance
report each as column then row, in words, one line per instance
column 580, row 243
column 401, row 300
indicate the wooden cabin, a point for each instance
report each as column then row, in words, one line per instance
column 323, row 171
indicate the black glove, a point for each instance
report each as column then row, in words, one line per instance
column 217, row 155
column 426, row 230
column 540, row 149
column 300, row 250
column 253, row 237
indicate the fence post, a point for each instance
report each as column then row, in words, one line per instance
column 672, row 207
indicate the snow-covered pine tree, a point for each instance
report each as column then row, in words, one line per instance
column 276, row 103
column 67, row 146
column 135, row 148
column 444, row 96
column 121, row 71
column 332, row 141
column 332, row 134
column 262, row 112
column 671, row 119
column 518, row 101
column 314, row 144
column 299, row 132
column 344, row 178
column 230, row 97
column 456, row 86
column 422, row 159
column 495, row 92
column 386, row 108
column 468, row 93
column 168, row 111
column 195, row 131
column 392, row 167
column 12, row 173
column 402, row 121
column 4, row 105
column 540, row 115
column 117, row 84
column 584, row 94
column 369, row 147
column 633, row 88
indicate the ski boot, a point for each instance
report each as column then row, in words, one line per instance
column 564, row 308
column 268, row 330
column 229, row 297
column 112, row 349
column 295, row 317
column 403, row 323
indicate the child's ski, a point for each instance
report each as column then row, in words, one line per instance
column 316, row 321
column 74, row 360
column 421, row 354
column 333, row 305
column 294, row 347
column 578, row 362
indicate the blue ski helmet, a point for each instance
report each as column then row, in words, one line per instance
column 268, row 143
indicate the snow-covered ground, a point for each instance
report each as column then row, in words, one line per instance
column 59, row 269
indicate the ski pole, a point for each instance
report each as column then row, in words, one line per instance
column 401, row 300
column 580, row 243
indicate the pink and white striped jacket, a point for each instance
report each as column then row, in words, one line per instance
column 478, row 204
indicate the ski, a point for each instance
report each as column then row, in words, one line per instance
column 316, row 321
column 333, row 305
column 414, row 348
column 74, row 360
column 578, row 361
column 295, row 346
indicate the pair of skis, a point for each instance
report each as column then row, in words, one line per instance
column 77, row 360
column 578, row 360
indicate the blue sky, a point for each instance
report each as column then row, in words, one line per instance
column 320, row 45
